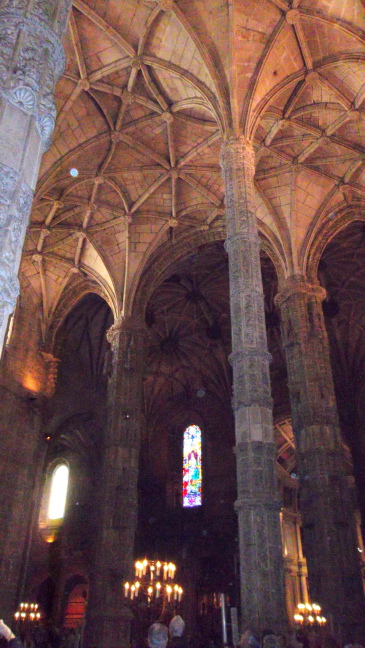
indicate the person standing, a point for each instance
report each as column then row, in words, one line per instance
column 6, row 633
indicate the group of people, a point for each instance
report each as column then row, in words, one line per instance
column 159, row 636
column 313, row 638
column 40, row 636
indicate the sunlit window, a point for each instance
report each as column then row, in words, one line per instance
column 58, row 494
column 192, row 466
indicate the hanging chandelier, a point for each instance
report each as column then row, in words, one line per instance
column 309, row 614
column 154, row 584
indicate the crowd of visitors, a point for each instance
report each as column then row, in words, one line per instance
column 159, row 636
column 44, row 635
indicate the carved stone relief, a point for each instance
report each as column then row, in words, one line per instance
column 15, row 202
column 258, row 502
column 32, row 57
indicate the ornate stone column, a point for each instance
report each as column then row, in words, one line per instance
column 329, row 534
column 31, row 61
column 258, row 504
column 108, row 621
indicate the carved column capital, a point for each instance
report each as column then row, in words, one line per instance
column 32, row 60
column 237, row 151
column 298, row 285
column 32, row 57
column 125, row 323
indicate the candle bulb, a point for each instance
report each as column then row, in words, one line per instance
column 158, row 566
column 168, row 591
column 158, row 588
column 137, row 585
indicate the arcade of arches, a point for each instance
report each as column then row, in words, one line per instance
column 182, row 239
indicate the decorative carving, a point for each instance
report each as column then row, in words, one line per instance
column 50, row 382
column 45, row 127
column 166, row 5
column 168, row 117
column 127, row 97
column 293, row 16
column 258, row 503
column 9, row 290
column 30, row 66
column 319, row 448
column 15, row 203
column 23, row 97
column 24, row 201
column 296, row 284
column 8, row 180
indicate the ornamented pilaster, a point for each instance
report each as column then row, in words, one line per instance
column 31, row 62
column 329, row 534
column 50, row 381
column 258, row 504
column 108, row 622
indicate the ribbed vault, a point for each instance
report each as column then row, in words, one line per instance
column 150, row 90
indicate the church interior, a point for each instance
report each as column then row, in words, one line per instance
column 146, row 230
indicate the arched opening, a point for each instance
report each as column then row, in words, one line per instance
column 188, row 383
column 75, row 601
column 69, row 508
column 341, row 271
column 58, row 492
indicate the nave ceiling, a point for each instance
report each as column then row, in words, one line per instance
column 150, row 89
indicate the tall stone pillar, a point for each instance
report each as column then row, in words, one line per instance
column 31, row 61
column 258, row 504
column 327, row 514
column 108, row 621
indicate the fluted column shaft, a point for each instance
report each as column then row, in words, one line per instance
column 327, row 514
column 108, row 622
column 258, row 504
column 31, row 62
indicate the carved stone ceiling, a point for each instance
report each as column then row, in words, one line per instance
column 149, row 90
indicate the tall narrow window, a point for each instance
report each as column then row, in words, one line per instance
column 192, row 466
column 58, row 494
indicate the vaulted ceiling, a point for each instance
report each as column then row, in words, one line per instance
column 150, row 89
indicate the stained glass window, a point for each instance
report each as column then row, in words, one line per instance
column 192, row 466
column 57, row 499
